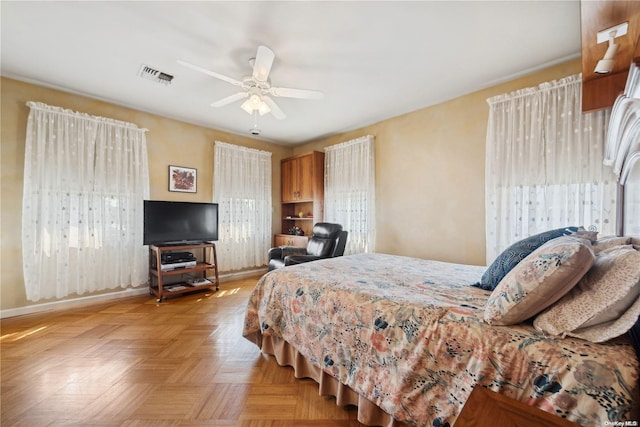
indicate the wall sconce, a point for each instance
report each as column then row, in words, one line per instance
column 606, row 64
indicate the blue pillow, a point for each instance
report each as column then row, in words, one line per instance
column 515, row 253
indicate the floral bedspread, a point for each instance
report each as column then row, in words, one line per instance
column 408, row 335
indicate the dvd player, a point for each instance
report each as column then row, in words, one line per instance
column 178, row 265
column 173, row 257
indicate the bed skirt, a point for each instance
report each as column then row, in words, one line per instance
column 287, row 355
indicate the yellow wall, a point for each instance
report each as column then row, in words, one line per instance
column 169, row 142
column 430, row 173
column 429, row 170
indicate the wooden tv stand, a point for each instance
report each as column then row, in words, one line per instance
column 197, row 274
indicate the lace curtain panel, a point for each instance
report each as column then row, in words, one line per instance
column 350, row 191
column 85, row 179
column 544, row 165
column 242, row 189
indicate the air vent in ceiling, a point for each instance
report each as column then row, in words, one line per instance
column 152, row 74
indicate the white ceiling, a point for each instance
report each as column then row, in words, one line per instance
column 373, row 60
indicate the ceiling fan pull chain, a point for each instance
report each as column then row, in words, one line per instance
column 254, row 130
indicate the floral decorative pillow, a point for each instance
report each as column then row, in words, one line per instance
column 602, row 296
column 539, row 280
column 515, row 253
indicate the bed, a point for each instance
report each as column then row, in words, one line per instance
column 410, row 339
column 407, row 340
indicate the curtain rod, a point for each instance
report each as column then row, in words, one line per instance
column 63, row 111
column 241, row 148
column 542, row 87
column 354, row 141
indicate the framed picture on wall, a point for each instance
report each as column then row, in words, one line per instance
column 183, row 179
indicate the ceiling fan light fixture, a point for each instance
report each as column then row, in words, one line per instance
column 263, row 109
column 246, row 106
column 257, row 87
column 255, row 103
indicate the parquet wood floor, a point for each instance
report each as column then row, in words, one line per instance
column 134, row 362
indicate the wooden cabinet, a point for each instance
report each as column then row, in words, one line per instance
column 302, row 179
column 286, row 179
column 289, row 240
column 187, row 278
column 298, row 173
column 601, row 90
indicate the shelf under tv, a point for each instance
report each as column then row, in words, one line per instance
column 208, row 262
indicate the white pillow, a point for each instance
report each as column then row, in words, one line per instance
column 602, row 296
column 606, row 331
column 607, row 242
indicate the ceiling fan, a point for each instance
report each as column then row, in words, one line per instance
column 256, row 88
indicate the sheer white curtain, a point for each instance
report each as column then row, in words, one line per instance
column 242, row 189
column 85, row 179
column 544, row 165
column 350, row 191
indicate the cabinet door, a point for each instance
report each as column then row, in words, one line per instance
column 288, row 181
column 280, row 240
column 289, row 240
column 304, row 172
column 297, row 179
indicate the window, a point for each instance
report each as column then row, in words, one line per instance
column 242, row 189
column 544, row 165
column 349, row 191
column 85, row 179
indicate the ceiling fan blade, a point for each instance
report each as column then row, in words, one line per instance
column 210, row 73
column 230, row 99
column 264, row 61
column 287, row 92
column 275, row 110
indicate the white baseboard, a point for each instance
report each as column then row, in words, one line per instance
column 70, row 303
column 243, row 274
column 92, row 299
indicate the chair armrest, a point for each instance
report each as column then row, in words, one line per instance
column 293, row 250
column 275, row 253
column 281, row 252
column 299, row 259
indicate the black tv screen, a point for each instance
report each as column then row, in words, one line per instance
column 177, row 223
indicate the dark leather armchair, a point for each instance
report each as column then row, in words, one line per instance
column 328, row 240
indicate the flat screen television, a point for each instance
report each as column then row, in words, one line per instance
column 175, row 223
